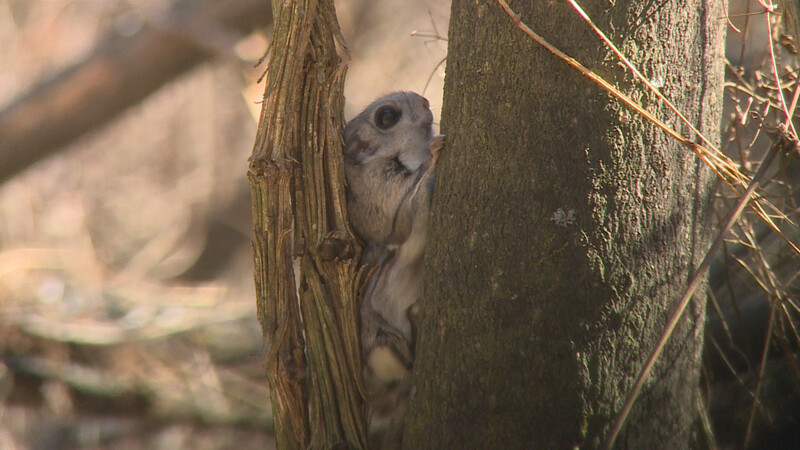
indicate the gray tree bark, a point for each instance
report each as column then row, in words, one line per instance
column 564, row 228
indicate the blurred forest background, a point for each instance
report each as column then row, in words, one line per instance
column 127, row 313
column 127, row 310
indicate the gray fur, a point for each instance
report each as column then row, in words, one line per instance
column 389, row 172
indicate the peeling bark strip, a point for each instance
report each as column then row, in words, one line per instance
column 305, row 255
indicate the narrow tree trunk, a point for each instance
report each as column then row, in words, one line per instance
column 564, row 229
column 306, row 274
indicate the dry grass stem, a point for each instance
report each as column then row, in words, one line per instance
column 698, row 277
column 714, row 159
column 728, row 171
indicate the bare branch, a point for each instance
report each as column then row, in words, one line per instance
column 119, row 73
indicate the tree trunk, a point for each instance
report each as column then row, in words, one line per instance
column 564, row 229
column 305, row 255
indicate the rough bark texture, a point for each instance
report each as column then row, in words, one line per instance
column 305, row 255
column 564, row 228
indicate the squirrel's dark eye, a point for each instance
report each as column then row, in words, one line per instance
column 386, row 117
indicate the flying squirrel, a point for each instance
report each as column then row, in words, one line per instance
column 390, row 156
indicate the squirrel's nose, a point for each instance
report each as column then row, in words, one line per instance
column 425, row 103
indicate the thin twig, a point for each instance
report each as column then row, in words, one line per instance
column 776, row 293
column 762, row 366
column 775, row 73
column 745, row 32
column 722, row 166
column 693, row 283
column 715, row 153
column 433, row 72
column 644, row 80
column 728, row 18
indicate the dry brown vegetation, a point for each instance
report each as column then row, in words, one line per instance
column 127, row 316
